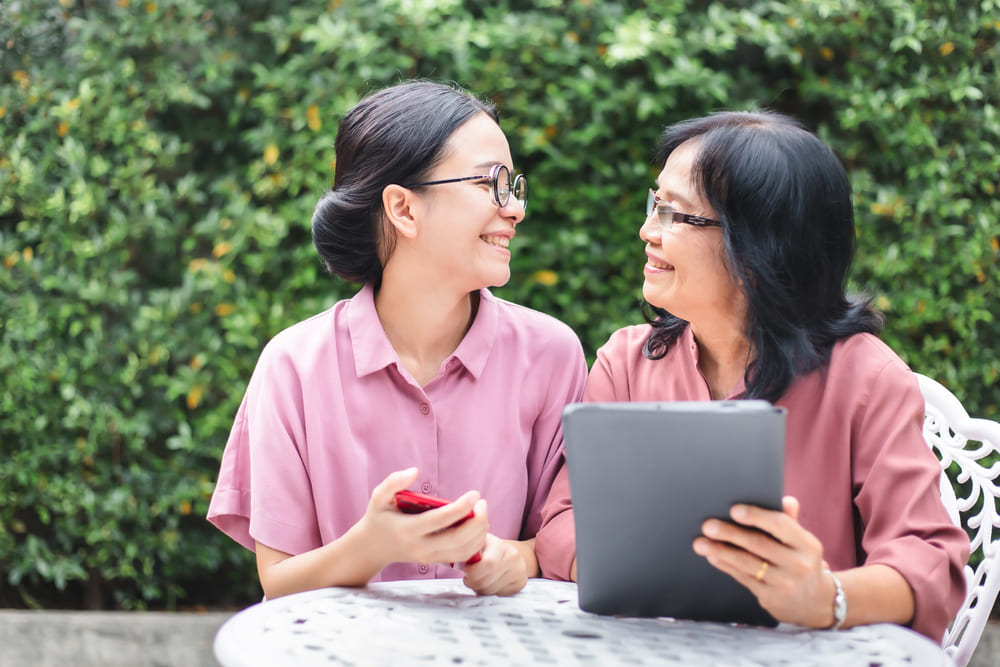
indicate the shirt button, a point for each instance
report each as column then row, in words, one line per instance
column 424, row 408
column 423, row 568
column 426, row 487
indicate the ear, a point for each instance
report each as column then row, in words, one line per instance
column 401, row 209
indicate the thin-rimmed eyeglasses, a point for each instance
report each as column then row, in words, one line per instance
column 667, row 216
column 501, row 185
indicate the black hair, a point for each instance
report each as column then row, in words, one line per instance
column 784, row 201
column 396, row 135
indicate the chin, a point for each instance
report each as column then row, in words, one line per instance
column 498, row 277
column 501, row 282
column 652, row 298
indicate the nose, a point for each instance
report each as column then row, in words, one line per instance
column 513, row 211
column 651, row 231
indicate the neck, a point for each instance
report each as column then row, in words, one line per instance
column 424, row 325
column 723, row 356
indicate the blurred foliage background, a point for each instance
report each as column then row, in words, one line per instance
column 159, row 162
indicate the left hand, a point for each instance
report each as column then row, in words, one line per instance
column 501, row 571
column 793, row 587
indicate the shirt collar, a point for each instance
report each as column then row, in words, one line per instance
column 373, row 351
column 475, row 347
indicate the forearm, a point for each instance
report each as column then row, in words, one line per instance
column 876, row 594
column 351, row 560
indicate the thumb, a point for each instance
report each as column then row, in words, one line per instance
column 394, row 481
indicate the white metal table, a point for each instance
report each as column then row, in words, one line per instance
column 441, row 622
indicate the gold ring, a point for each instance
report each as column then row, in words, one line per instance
column 762, row 571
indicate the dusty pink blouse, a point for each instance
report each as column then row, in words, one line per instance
column 330, row 411
column 855, row 458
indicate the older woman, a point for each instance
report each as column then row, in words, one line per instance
column 749, row 236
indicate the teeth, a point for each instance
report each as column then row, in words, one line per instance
column 498, row 241
column 659, row 265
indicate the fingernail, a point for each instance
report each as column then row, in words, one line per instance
column 739, row 512
column 711, row 528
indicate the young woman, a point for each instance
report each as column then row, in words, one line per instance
column 749, row 236
column 423, row 380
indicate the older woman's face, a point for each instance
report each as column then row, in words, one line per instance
column 686, row 271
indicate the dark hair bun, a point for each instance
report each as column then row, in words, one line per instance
column 342, row 233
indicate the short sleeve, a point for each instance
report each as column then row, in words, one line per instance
column 263, row 492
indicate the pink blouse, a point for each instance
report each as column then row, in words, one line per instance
column 855, row 458
column 330, row 411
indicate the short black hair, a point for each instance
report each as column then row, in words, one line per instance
column 784, row 201
column 395, row 135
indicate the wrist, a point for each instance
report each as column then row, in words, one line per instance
column 526, row 549
column 368, row 551
column 839, row 604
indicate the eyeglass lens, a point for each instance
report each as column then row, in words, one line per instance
column 502, row 187
column 664, row 214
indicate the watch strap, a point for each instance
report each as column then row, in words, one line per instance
column 839, row 602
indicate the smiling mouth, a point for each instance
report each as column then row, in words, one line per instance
column 658, row 265
column 498, row 241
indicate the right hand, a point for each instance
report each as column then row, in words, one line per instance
column 427, row 537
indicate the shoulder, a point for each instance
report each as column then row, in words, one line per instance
column 310, row 343
column 625, row 344
column 531, row 327
column 307, row 333
column 865, row 376
column 865, row 358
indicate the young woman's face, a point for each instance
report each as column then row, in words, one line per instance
column 686, row 271
column 465, row 234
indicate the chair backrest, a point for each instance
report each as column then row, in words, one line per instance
column 961, row 443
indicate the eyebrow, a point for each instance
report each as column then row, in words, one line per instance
column 673, row 195
column 492, row 163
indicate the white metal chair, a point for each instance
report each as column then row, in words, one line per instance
column 961, row 442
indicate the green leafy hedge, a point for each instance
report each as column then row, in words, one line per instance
column 159, row 162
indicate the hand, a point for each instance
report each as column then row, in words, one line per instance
column 429, row 537
column 501, row 571
column 793, row 587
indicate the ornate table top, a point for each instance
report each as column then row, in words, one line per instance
column 441, row 622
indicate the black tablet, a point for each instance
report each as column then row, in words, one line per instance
column 643, row 477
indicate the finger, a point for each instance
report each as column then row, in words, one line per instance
column 477, row 530
column 496, row 573
column 480, row 510
column 482, row 576
column 457, row 543
column 779, row 525
column 737, row 563
column 453, row 516
column 385, row 491
column 753, row 541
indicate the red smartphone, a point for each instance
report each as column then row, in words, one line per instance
column 413, row 502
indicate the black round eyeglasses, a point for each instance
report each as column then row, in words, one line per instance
column 500, row 184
